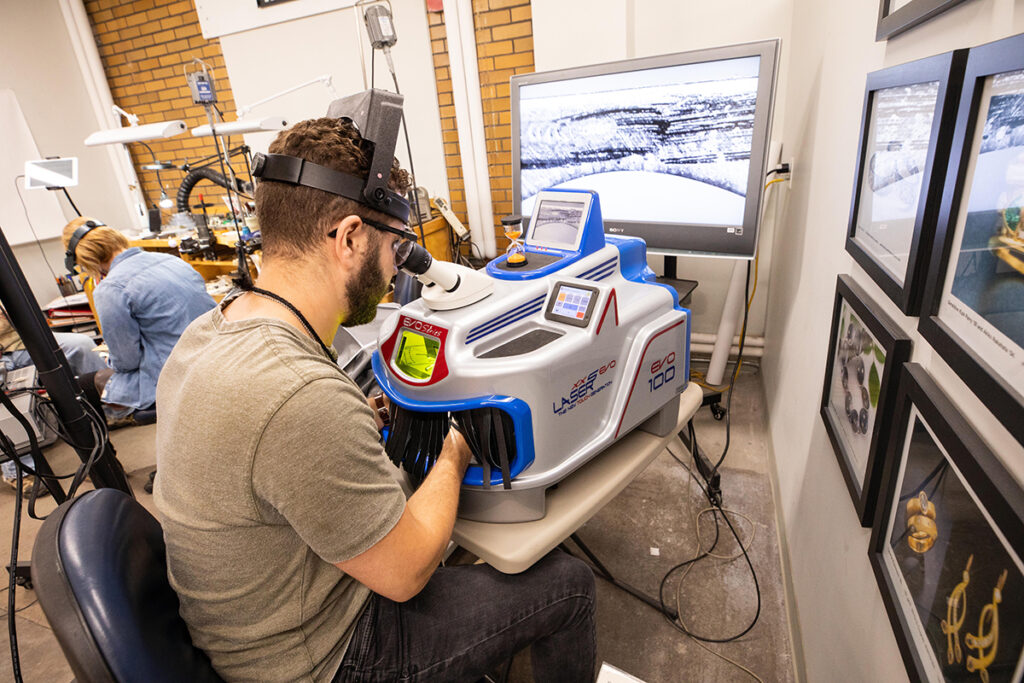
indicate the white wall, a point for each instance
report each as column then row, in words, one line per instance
column 610, row 30
column 221, row 17
column 843, row 621
column 38, row 64
column 269, row 59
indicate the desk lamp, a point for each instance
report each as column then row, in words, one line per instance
column 133, row 132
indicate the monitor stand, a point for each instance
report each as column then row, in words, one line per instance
column 684, row 288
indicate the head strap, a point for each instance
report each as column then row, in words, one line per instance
column 70, row 261
column 283, row 168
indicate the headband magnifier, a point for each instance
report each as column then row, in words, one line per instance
column 377, row 115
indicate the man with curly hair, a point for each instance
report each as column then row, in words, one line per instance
column 294, row 552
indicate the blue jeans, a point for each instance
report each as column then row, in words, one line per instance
column 78, row 349
column 470, row 619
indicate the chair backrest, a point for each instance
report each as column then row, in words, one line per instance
column 100, row 569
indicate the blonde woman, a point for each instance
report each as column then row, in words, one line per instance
column 144, row 301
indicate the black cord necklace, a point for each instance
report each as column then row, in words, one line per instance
column 298, row 314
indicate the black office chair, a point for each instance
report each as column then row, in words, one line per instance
column 100, row 569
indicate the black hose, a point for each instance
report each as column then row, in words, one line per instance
column 205, row 173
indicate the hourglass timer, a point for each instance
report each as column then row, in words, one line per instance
column 513, row 226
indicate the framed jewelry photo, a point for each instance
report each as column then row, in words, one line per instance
column 897, row 16
column 906, row 129
column 865, row 351
column 973, row 312
column 945, row 543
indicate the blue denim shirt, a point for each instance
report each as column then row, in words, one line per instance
column 144, row 305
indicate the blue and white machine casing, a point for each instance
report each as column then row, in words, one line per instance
column 571, row 396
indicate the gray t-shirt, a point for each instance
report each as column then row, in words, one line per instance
column 269, row 472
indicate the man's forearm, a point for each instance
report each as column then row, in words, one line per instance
column 400, row 564
column 436, row 501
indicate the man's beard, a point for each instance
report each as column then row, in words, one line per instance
column 365, row 291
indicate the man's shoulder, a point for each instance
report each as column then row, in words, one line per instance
column 263, row 357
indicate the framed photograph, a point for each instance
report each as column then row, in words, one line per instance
column 897, row 16
column 906, row 130
column 945, row 544
column 865, row 352
column 973, row 312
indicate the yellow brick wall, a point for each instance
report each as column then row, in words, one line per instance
column 145, row 46
column 504, row 43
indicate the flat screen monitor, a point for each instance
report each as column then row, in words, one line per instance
column 676, row 146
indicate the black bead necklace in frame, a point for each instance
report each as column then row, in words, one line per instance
column 866, row 349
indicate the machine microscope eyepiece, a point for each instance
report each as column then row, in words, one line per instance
column 446, row 285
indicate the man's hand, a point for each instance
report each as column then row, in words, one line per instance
column 455, row 447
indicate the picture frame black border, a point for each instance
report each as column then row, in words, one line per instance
column 982, row 470
column 897, row 345
column 907, row 17
column 948, row 70
column 1006, row 403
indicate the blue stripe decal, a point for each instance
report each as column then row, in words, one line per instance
column 480, row 335
column 502, row 318
column 600, row 266
column 600, row 275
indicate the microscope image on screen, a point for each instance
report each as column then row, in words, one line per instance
column 658, row 138
column 675, row 145
column 557, row 224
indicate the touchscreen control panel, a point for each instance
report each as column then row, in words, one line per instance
column 571, row 304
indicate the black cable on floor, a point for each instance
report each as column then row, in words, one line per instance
column 706, row 553
column 12, row 629
column 753, row 573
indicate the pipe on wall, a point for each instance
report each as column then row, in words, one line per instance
column 469, row 118
column 83, row 43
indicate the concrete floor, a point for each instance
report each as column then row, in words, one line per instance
column 646, row 530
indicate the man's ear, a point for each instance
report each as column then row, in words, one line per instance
column 348, row 241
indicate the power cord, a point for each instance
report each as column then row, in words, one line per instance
column 750, row 293
column 17, row 188
column 712, row 492
column 405, row 130
column 12, row 629
column 100, row 436
column 67, row 195
column 735, row 375
column 717, row 510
